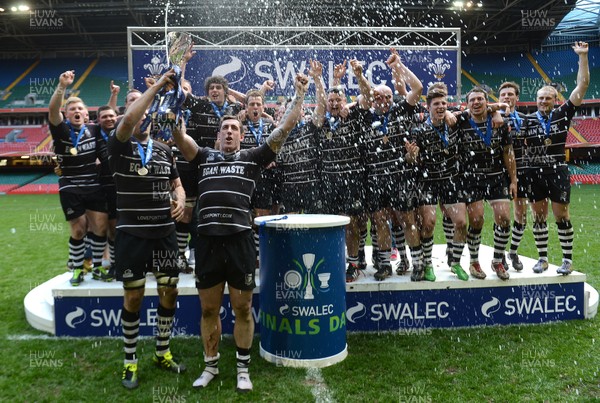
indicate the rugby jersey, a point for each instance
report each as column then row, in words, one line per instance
column 519, row 124
column 548, row 157
column 385, row 141
column 225, row 186
column 298, row 160
column 79, row 172
column 341, row 147
column 476, row 157
column 255, row 136
column 143, row 201
column 438, row 148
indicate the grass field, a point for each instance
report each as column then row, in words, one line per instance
column 551, row 362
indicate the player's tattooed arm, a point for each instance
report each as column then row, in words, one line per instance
column 291, row 116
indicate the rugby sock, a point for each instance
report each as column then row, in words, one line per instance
column 565, row 236
column 242, row 358
column 540, row 234
column 427, row 244
column 130, row 322
column 257, row 245
column 374, row 244
column 183, row 233
column 361, row 244
column 211, row 370
column 111, row 251
column 353, row 260
column 384, row 257
column 164, row 324
column 398, row 236
column 474, row 240
column 416, row 254
column 517, row 234
column 98, row 244
column 88, row 246
column 501, row 235
column 448, row 230
column 76, row 252
column 457, row 250
column 243, row 361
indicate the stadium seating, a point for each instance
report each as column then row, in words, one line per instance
column 47, row 183
column 10, row 181
column 18, row 140
column 95, row 90
column 589, row 129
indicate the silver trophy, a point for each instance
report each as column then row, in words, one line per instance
column 167, row 110
column 178, row 44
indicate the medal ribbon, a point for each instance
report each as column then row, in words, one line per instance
column 256, row 132
column 219, row 112
column 384, row 125
column 517, row 121
column 147, row 156
column 443, row 136
column 75, row 139
column 487, row 137
column 336, row 122
column 545, row 124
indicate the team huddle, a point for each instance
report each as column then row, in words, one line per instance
column 383, row 158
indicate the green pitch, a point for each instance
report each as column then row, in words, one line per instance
column 553, row 362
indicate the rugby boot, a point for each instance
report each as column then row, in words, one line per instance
column 541, row 266
column 500, row 270
column 429, row 273
column 565, row 268
column 515, row 261
column 384, row 271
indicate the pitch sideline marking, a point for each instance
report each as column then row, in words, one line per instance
column 319, row 388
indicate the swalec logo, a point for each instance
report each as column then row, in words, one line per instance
column 490, row 307
column 76, row 317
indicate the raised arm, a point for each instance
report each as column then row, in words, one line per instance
column 583, row 74
column 363, row 85
column 291, row 116
column 185, row 143
column 399, row 83
column 401, row 73
column 114, row 95
column 316, row 73
column 339, row 70
column 55, row 117
column 137, row 109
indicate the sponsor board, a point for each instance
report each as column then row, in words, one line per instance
column 248, row 69
column 419, row 310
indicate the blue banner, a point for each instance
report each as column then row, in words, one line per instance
column 409, row 311
column 248, row 69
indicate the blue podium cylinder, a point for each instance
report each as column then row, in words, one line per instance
column 302, row 289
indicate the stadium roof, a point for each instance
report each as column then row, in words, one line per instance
column 57, row 28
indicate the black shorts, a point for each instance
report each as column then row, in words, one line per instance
column 302, row 198
column 522, row 184
column 74, row 205
column 398, row 192
column 135, row 256
column 444, row 191
column 264, row 194
column 483, row 187
column 343, row 195
column 554, row 184
column 230, row 258
column 111, row 201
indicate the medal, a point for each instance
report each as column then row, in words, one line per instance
column 548, row 141
column 385, row 139
column 75, row 138
column 329, row 135
column 446, row 151
column 145, row 157
column 73, row 151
